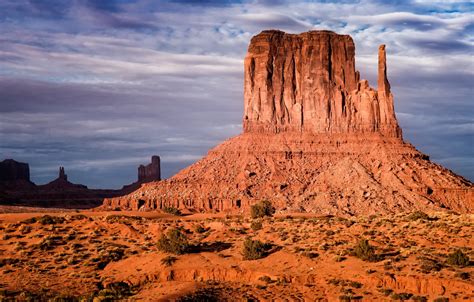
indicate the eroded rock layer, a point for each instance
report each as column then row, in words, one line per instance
column 316, row 139
column 306, row 172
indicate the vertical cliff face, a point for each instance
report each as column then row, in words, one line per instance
column 11, row 170
column 150, row 172
column 308, row 83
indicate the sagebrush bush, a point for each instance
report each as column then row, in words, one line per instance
column 174, row 242
column 168, row 260
column 200, row 229
column 45, row 220
column 417, row 215
column 365, row 251
column 458, row 258
column 172, row 210
column 262, row 209
column 256, row 225
column 254, row 249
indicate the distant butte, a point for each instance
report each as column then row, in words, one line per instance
column 316, row 139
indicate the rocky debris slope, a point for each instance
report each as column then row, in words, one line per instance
column 315, row 139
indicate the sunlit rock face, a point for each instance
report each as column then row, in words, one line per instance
column 308, row 83
column 316, row 139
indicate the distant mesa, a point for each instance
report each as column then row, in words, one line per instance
column 16, row 187
column 11, row 170
column 316, row 138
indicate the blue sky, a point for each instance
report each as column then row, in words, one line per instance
column 100, row 86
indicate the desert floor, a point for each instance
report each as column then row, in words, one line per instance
column 108, row 256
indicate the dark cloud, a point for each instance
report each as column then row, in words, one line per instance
column 100, row 86
column 443, row 46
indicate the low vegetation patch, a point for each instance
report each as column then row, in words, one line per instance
column 174, row 242
column 172, row 211
column 458, row 258
column 365, row 251
column 262, row 209
column 255, row 249
column 256, row 225
column 168, row 261
column 45, row 220
column 418, row 215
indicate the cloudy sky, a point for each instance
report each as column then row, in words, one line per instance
column 99, row 86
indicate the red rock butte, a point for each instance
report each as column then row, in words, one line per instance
column 316, row 139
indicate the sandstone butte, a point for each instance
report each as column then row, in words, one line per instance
column 315, row 139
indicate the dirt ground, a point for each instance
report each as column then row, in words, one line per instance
column 108, row 256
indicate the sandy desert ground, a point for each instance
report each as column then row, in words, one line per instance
column 109, row 256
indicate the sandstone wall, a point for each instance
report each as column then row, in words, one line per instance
column 151, row 171
column 308, row 83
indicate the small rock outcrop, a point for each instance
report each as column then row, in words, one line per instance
column 316, row 139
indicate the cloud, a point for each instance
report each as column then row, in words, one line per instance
column 100, row 86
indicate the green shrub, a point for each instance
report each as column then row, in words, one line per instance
column 419, row 298
column 262, row 209
column 365, row 251
column 174, row 242
column 254, row 249
column 200, row 229
column 256, row 225
column 168, row 261
column 172, row 210
column 458, row 258
column 401, row 296
column 463, row 275
column 44, row 220
column 417, row 215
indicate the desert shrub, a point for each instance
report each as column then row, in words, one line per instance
column 401, row 296
column 458, row 258
column 254, row 249
column 463, row 275
column 310, row 255
column 51, row 241
column 203, row 295
column 417, row 215
column 365, row 251
column 441, row 299
column 200, row 229
column 429, row 265
column 419, row 298
column 349, row 298
column 25, row 229
column 111, row 254
column 256, row 225
column 44, row 220
column 80, row 217
column 262, row 209
column 174, row 242
column 125, row 219
column 8, row 261
column 168, row 261
column 114, row 292
column 265, row 279
column 172, row 211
